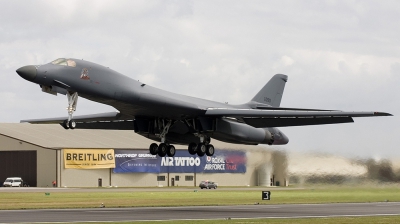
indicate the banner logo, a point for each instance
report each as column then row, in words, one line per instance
column 89, row 158
column 140, row 161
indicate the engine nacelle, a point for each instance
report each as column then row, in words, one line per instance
column 232, row 131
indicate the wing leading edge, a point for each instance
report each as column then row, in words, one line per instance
column 290, row 117
column 110, row 121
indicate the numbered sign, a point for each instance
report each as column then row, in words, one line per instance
column 266, row 195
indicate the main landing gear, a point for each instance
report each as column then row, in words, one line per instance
column 164, row 149
column 72, row 102
column 201, row 149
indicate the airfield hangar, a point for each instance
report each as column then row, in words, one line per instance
column 44, row 153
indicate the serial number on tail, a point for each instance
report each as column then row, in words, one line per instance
column 268, row 100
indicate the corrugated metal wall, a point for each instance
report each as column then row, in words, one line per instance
column 19, row 164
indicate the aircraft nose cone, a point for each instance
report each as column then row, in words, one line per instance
column 27, row 72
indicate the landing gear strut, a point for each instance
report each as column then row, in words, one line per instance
column 72, row 102
column 164, row 148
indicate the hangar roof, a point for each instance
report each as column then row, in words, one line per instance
column 55, row 136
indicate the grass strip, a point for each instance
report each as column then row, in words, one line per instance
column 31, row 200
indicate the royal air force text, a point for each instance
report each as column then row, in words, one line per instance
column 217, row 163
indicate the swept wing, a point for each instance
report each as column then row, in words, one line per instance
column 110, row 120
column 284, row 118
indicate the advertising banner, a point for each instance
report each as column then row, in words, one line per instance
column 141, row 161
column 136, row 161
column 89, row 158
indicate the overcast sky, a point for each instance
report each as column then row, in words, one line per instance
column 338, row 55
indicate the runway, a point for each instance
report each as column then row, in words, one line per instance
column 200, row 212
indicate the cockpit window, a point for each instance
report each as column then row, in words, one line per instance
column 60, row 61
column 71, row 63
column 65, row 62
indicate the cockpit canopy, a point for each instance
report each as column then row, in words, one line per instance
column 65, row 62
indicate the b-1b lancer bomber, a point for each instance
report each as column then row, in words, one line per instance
column 172, row 118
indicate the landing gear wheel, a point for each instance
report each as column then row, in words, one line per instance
column 72, row 124
column 210, row 150
column 171, row 150
column 201, row 149
column 192, row 148
column 162, row 149
column 65, row 124
column 153, row 149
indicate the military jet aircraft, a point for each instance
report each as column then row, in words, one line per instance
column 172, row 118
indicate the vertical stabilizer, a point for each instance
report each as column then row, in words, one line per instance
column 272, row 92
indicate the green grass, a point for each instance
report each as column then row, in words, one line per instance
column 111, row 198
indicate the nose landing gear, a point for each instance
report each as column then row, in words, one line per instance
column 69, row 124
column 72, row 102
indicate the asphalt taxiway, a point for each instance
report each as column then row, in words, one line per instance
column 200, row 212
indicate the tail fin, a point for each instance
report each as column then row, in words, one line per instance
column 272, row 92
